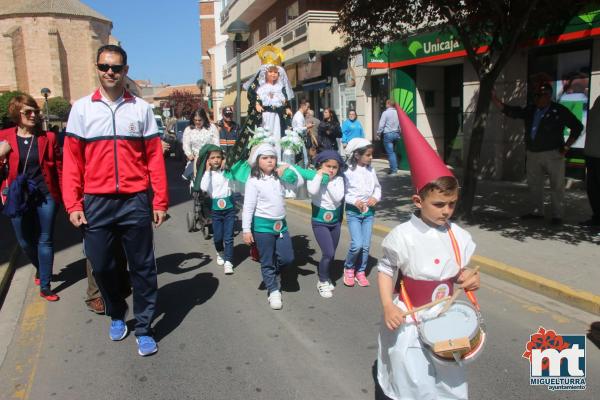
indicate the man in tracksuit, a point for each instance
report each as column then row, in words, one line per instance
column 112, row 156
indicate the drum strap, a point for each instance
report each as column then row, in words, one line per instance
column 456, row 249
column 470, row 295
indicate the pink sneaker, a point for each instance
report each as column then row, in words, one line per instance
column 362, row 280
column 348, row 277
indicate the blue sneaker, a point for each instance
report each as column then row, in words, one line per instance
column 146, row 345
column 118, row 329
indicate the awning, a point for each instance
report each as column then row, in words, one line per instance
column 229, row 100
column 315, row 85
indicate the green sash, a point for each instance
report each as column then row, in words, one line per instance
column 352, row 208
column 266, row 225
column 224, row 203
column 327, row 216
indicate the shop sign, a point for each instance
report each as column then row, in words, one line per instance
column 441, row 45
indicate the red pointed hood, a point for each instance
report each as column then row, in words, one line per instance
column 425, row 163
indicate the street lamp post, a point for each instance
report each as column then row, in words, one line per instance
column 201, row 84
column 45, row 92
column 238, row 32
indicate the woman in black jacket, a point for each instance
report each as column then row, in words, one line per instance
column 329, row 131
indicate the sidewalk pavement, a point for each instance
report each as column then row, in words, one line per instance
column 560, row 262
column 8, row 255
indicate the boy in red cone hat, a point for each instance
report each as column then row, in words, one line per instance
column 429, row 254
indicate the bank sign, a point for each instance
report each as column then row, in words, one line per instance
column 417, row 49
column 435, row 46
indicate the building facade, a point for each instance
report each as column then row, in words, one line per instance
column 45, row 44
column 302, row 29
column 213, row 44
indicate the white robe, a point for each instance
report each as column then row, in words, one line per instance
column 404, row 368
column 272, row 95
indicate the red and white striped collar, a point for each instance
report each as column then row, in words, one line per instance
column 97, row 95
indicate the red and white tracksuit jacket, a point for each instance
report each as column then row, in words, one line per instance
column 112, row 151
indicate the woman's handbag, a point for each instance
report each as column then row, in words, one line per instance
column 23, row 193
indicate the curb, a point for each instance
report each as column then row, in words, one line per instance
column 6, row 272
column 583, row 300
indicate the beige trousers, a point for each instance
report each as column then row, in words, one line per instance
column 540, row 164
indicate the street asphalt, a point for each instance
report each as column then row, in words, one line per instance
column 219, row 339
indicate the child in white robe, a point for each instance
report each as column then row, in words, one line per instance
column 428, row 255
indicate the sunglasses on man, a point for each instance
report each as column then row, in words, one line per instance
column 115, row 68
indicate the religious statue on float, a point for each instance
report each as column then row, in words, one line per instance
column 269, row 93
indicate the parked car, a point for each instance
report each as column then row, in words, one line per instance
column 175, row 138
column 161, row 125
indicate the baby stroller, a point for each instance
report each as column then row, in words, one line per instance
column 198, row 219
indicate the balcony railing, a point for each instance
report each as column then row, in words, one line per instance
column 286, row 35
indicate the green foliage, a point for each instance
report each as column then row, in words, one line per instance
column 5, row 98
column 60, row 107
column 157, row 111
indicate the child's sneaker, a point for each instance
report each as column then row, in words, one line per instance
column 228, row 268
column 361, row 279
column 348, row 277
column 220, row 259
column 275, row 300
column 324, row 289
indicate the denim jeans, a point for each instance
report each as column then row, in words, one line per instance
column 275, row 252
column 222, row 223
column 34, row 231
column 360, row 227
column 389, row 139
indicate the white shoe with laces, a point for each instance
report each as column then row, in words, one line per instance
column 275, row 300
column 228, row 268
column 324, row 289
column 220, row 259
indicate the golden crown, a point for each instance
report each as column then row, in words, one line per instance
column 270, row 55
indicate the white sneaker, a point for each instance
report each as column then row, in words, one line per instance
column 275, row 300
column 324, row 289
column 228, row 268
column 220, row 259
column 331, row 286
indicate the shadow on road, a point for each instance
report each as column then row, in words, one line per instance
column 177, row 299
column 70, row 275
column 302, row 257
column 180, row 263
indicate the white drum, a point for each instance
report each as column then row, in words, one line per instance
column 456, row 336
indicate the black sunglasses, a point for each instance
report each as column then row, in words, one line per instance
column 115, row 68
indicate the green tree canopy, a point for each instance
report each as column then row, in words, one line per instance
column 60, row 107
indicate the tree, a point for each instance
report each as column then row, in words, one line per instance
column 5, row 98
column 183, row 103
column 60, row 107
column 501, row 25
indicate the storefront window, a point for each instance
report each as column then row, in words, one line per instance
column 568, row 69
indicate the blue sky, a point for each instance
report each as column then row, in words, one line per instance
column 161, row 37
